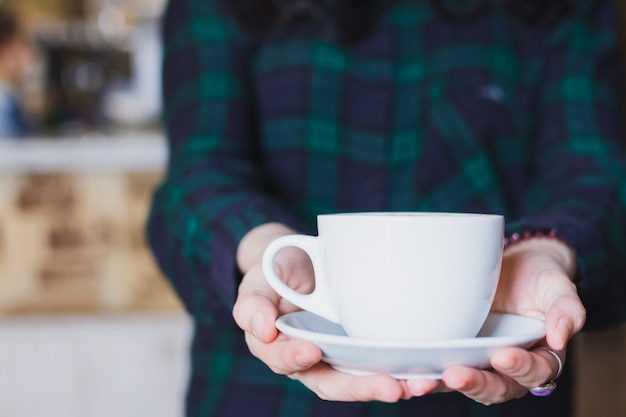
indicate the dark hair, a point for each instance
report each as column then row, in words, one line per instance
column 344, row 20
column 347, row 20
column 8, row 26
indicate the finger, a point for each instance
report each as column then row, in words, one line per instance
column 564, row 318
column 564, row 312
column 406, row 391
column 256, row 308
column 527, row 368
column 284, row 356
column 420, row 387
column 332, row 385
column 485, row 387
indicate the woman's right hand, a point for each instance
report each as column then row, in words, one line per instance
column 258, row 306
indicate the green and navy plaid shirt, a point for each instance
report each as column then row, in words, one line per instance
column 423, row 114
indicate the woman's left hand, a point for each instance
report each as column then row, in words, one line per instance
column 536, row 281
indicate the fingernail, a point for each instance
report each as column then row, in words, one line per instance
column 504, row 361
column 563, row 329
column 418, row 393
column 416, row 389
column 257, row 325
column 302, row 360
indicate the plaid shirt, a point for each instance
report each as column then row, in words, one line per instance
column 424, row 114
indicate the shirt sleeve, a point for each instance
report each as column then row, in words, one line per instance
column 213, row 193
column 578, row 169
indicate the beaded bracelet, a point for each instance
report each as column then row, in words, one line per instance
column 528, row 234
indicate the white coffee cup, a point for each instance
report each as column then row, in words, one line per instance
column 399, row 276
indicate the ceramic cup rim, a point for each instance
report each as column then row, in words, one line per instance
column 411, row 214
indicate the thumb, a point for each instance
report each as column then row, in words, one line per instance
column 565, row 317
column 256, row 307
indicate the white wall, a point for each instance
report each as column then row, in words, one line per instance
column 93, row 366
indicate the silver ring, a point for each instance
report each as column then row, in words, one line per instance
column 549, row 387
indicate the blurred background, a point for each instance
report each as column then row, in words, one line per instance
column 88, row 326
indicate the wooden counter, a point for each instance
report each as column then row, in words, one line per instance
column 72, row 217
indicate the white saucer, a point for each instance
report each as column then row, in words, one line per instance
column 409, row 360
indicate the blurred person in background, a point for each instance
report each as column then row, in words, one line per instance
column 279, row 110
column 14, row 55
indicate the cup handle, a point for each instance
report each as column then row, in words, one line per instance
column 318, row 301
